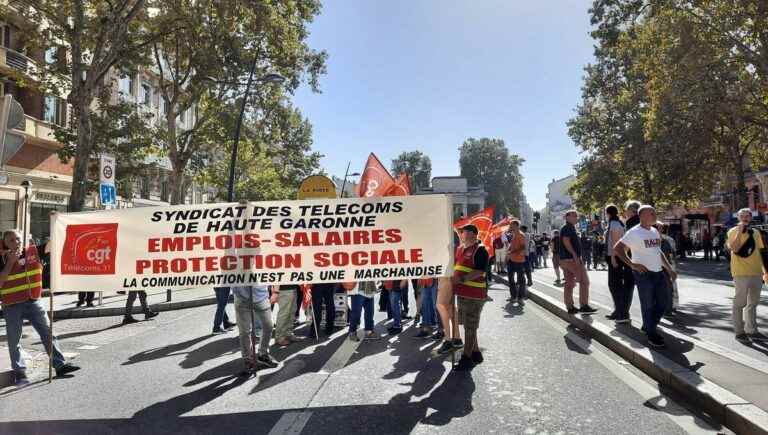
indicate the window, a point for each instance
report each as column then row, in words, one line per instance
column 40, row 219
column 5, row 35
column 51, row 55
column 126, row 83
column 7, row 214
column 146, row 94
column 54, row 110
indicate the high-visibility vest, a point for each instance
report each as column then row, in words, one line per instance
column 25, row 282
column 465, row 264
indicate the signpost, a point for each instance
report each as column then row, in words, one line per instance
column 107, row 193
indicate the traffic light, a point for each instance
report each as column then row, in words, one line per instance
column 11, row 117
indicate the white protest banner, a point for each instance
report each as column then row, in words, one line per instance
column 281, row 242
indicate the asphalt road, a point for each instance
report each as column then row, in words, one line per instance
column 706, row 297
column 171, row 376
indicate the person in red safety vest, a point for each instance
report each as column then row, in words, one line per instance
column 471, row 289
column 21, row 286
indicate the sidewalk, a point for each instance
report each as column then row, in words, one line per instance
column 64, row 304
column 728, row 385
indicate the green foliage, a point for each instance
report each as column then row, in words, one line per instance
column 417, row 165
column 487, row 162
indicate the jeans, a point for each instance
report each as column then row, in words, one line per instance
column 428, row 306
column 285, row 315
column 322, row 295
column 528, row 266
column 222, row 298
column 653, row 289
column 249, row 318
column 35, row 313
column 360, row 303
column 516, row 277
column 394, row 304
column 621, row 283
column 404, row 299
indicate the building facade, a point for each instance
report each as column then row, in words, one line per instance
column 466, row 199
column 559, row 201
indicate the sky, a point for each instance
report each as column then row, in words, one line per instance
column 425, row 75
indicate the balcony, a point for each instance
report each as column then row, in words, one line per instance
column 12, row 61
column 40, row 133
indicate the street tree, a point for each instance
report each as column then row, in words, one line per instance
column 417, row 165
column 96, row 36
column 209, row 58
column 487, row 162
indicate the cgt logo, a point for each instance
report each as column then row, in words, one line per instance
column 89, row 249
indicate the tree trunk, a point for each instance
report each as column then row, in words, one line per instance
column 741, row 186
column 177, row 183
column 82, row 155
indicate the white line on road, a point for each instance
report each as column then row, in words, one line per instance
column 654, row 398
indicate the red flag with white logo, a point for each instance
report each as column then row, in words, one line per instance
column 375, row 180
column 483, row 220
column 402, row 186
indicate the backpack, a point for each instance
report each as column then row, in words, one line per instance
column 748, row 247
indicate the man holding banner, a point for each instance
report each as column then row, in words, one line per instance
column 21, row 286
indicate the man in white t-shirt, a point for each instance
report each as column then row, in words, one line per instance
column 648, row 264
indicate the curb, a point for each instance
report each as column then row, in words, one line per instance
column 728, row 409
column 120, row 311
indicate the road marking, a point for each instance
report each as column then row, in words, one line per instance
column 291, row 423
column 653, row 398
column 712, row 347
column 87, row 347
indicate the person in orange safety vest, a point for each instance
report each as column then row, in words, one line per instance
column 21, row 286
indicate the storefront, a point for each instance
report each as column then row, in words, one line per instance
column 40, row 208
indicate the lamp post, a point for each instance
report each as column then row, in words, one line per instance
column 27, row 185
column 268, row 78
column 346, row 175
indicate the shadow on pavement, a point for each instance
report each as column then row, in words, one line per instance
column 165, row 351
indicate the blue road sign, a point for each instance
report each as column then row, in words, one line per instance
column 108, row 194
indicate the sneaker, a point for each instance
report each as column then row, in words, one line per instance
column 611, row 316
column 758, row 337
column 229, row 326
column 78, row 304
column 586, row 309
column 217, row 330
column 521, row 302
column 407, row 317
column 353, row 336
column 445, row 348
column 394, row 331
column 573, row 310
column 557, row 282
column 744, row 338
column 477, row 357
column 150, row 315
column 266, row 361
column 423, row 334
column 655, row 341
column 417, row 318
column 371, row 335
column 457, row 343
column 129, row 320
column 623, row 320
column 465, row 363
column 439, row 335
column 66, row 368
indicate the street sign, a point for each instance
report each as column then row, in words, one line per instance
column 108, row 194
column 11, row 117
column 107, row 170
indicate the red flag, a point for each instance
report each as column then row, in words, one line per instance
column 500, row 228
column 483, row 220
column 306, row 290
column 376, row 180
column 402, row 186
